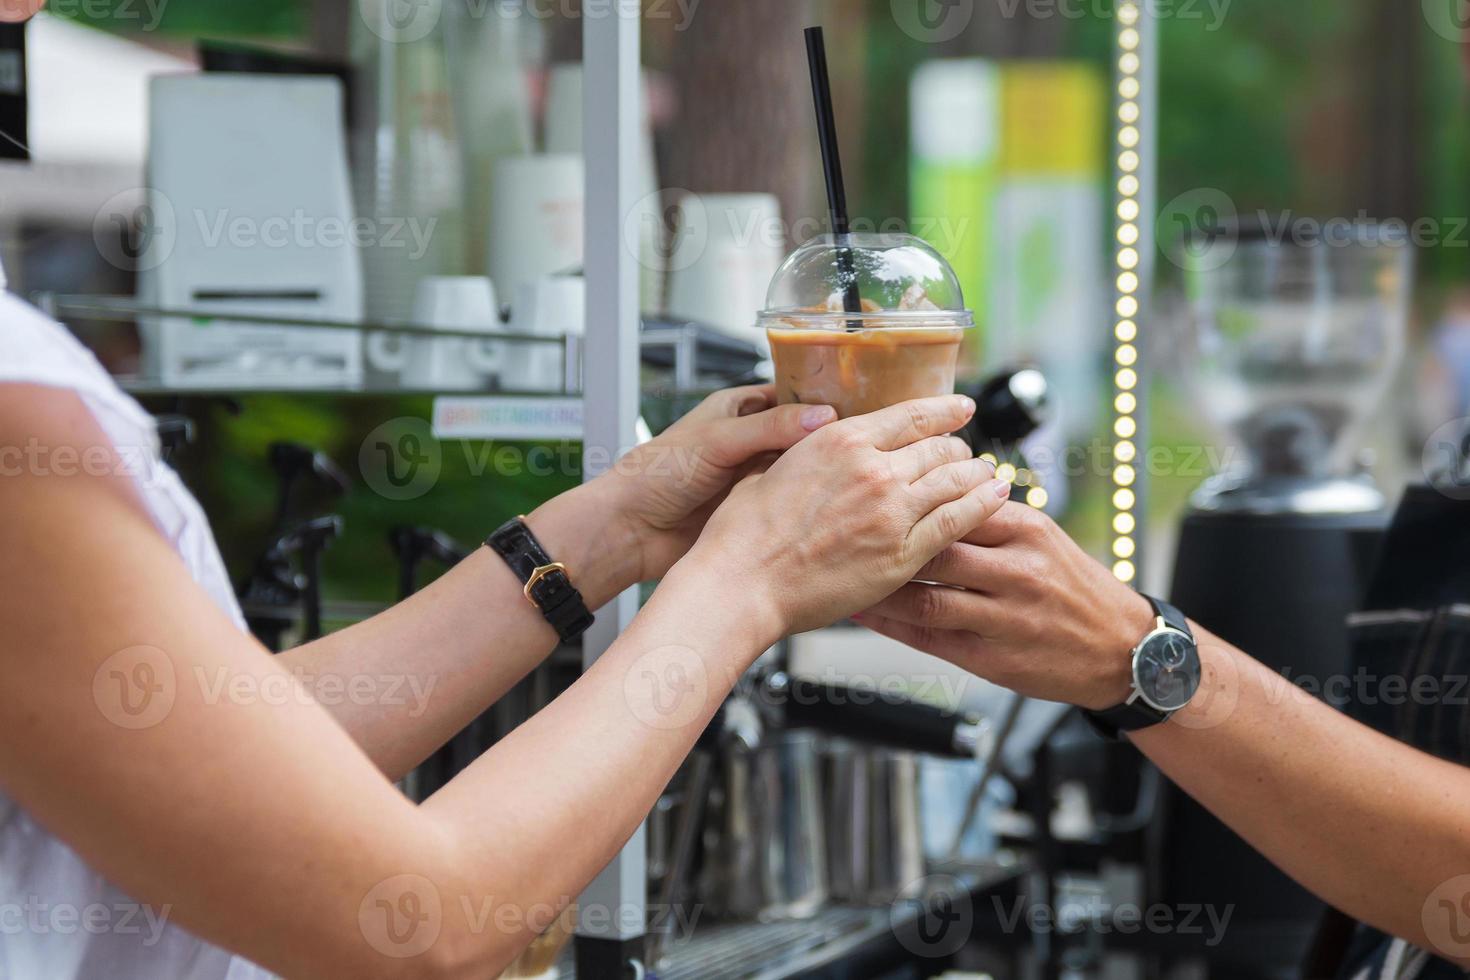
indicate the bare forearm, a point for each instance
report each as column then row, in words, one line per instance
column 403, row 682
column 1308, row 786
column 593, row 762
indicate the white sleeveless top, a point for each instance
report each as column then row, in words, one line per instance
column 59, row 919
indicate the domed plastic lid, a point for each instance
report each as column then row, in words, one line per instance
column 902, row 281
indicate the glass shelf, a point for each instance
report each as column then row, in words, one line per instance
column 680, row 359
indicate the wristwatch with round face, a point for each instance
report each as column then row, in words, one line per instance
column 1166, row 673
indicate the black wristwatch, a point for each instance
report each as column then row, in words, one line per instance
column 1166, row 673
column 546, row 583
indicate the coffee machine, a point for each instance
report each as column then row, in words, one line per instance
column 1290, row 341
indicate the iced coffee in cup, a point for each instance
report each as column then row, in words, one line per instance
column 861, row 322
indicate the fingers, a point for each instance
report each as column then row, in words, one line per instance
column 949, row 522
column 937, row 607
column 735, row 440
column 901, row 425
column 735, row 402
column 913, row 462
column 967, row 566
column 950, row 645
column 950, row 481
column 1007, row 525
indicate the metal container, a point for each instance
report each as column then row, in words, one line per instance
column 875, row 846
column 767, row 858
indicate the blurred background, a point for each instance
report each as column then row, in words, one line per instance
column 1334, row 108
column 324, row 239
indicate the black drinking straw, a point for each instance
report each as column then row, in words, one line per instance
column 816, row 56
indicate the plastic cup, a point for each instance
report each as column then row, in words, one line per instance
column 904, row 344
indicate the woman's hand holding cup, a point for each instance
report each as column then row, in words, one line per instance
column 848, row 515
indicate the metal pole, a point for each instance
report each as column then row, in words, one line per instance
column 610, row 943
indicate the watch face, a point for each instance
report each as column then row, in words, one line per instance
column 1166, row 670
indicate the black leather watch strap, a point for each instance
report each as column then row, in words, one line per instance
column 546, row 582
column 1136, row 714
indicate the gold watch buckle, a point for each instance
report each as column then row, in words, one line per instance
column 539, row 573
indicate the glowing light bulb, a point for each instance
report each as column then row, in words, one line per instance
column 1124, row 476
column 1126, row 331
column 1037, row 497
column 1128, row 307
column 1124, row 547
column 1124, row 524
column 1127, row 379
column 1127, row 355
column 1125, row 404
column 1124, row 499
column 1124, row 571
column 1128, row 234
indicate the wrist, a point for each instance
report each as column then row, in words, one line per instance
column 593, row 540
column 1130, row 621
column 709, row 573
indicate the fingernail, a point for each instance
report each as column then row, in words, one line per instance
column 968, row 404
column 989, row 464
column 816, row 416
column 1001, row 489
